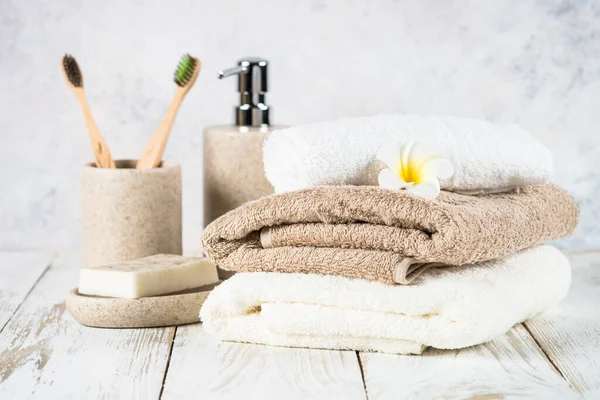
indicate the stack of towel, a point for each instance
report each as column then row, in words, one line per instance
column 333, row 261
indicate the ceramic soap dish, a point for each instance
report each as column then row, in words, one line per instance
column 110, row 312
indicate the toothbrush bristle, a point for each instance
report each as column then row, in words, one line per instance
column 72, row 70
column 185, row 70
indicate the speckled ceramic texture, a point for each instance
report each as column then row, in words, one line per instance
column 130, row 213
column 233, row 168
column 110, row 312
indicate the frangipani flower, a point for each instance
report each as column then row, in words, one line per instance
column 415, row 167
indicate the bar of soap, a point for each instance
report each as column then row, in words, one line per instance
column 148, row 276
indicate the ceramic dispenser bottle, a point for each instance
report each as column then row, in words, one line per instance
column 233, row 163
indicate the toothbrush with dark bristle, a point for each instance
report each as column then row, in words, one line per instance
column 185, row 76
column 74, row 78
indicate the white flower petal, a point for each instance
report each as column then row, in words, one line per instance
column 445, row 169
column 413, row 162
column 420, row 152
column 428, row 188
column 390, row 153
column 389, row 180
column 405, row 155
column 438, row 166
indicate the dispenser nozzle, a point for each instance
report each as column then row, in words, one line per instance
column 252, row 86
column 231, row 71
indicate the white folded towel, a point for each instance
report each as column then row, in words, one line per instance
column 487, row 157
column 449, row 308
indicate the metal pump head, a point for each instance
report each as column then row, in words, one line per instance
column 252, row 85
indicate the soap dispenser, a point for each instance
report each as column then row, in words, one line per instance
column 233, row 163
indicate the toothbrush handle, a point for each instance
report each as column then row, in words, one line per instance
column 155, row 148
column 99, row 146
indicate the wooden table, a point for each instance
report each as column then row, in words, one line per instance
column 45, row 354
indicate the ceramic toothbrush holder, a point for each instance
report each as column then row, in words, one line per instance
column 130, row 213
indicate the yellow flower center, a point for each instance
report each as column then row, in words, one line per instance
column 410, row 172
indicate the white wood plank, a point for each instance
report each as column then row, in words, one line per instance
column 210, row 370
column 570, row 333
column 19, row 271
column 511, row 366
column 45, row 354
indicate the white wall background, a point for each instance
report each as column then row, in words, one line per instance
column 533, row 63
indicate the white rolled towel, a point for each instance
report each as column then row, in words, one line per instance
column 487, row 157
column 448, row 308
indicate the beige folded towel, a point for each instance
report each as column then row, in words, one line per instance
column 391, row 236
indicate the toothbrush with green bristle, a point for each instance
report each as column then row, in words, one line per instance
column 185, row 76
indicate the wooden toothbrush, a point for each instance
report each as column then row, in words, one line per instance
column 185, row 76
column 74, row 78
